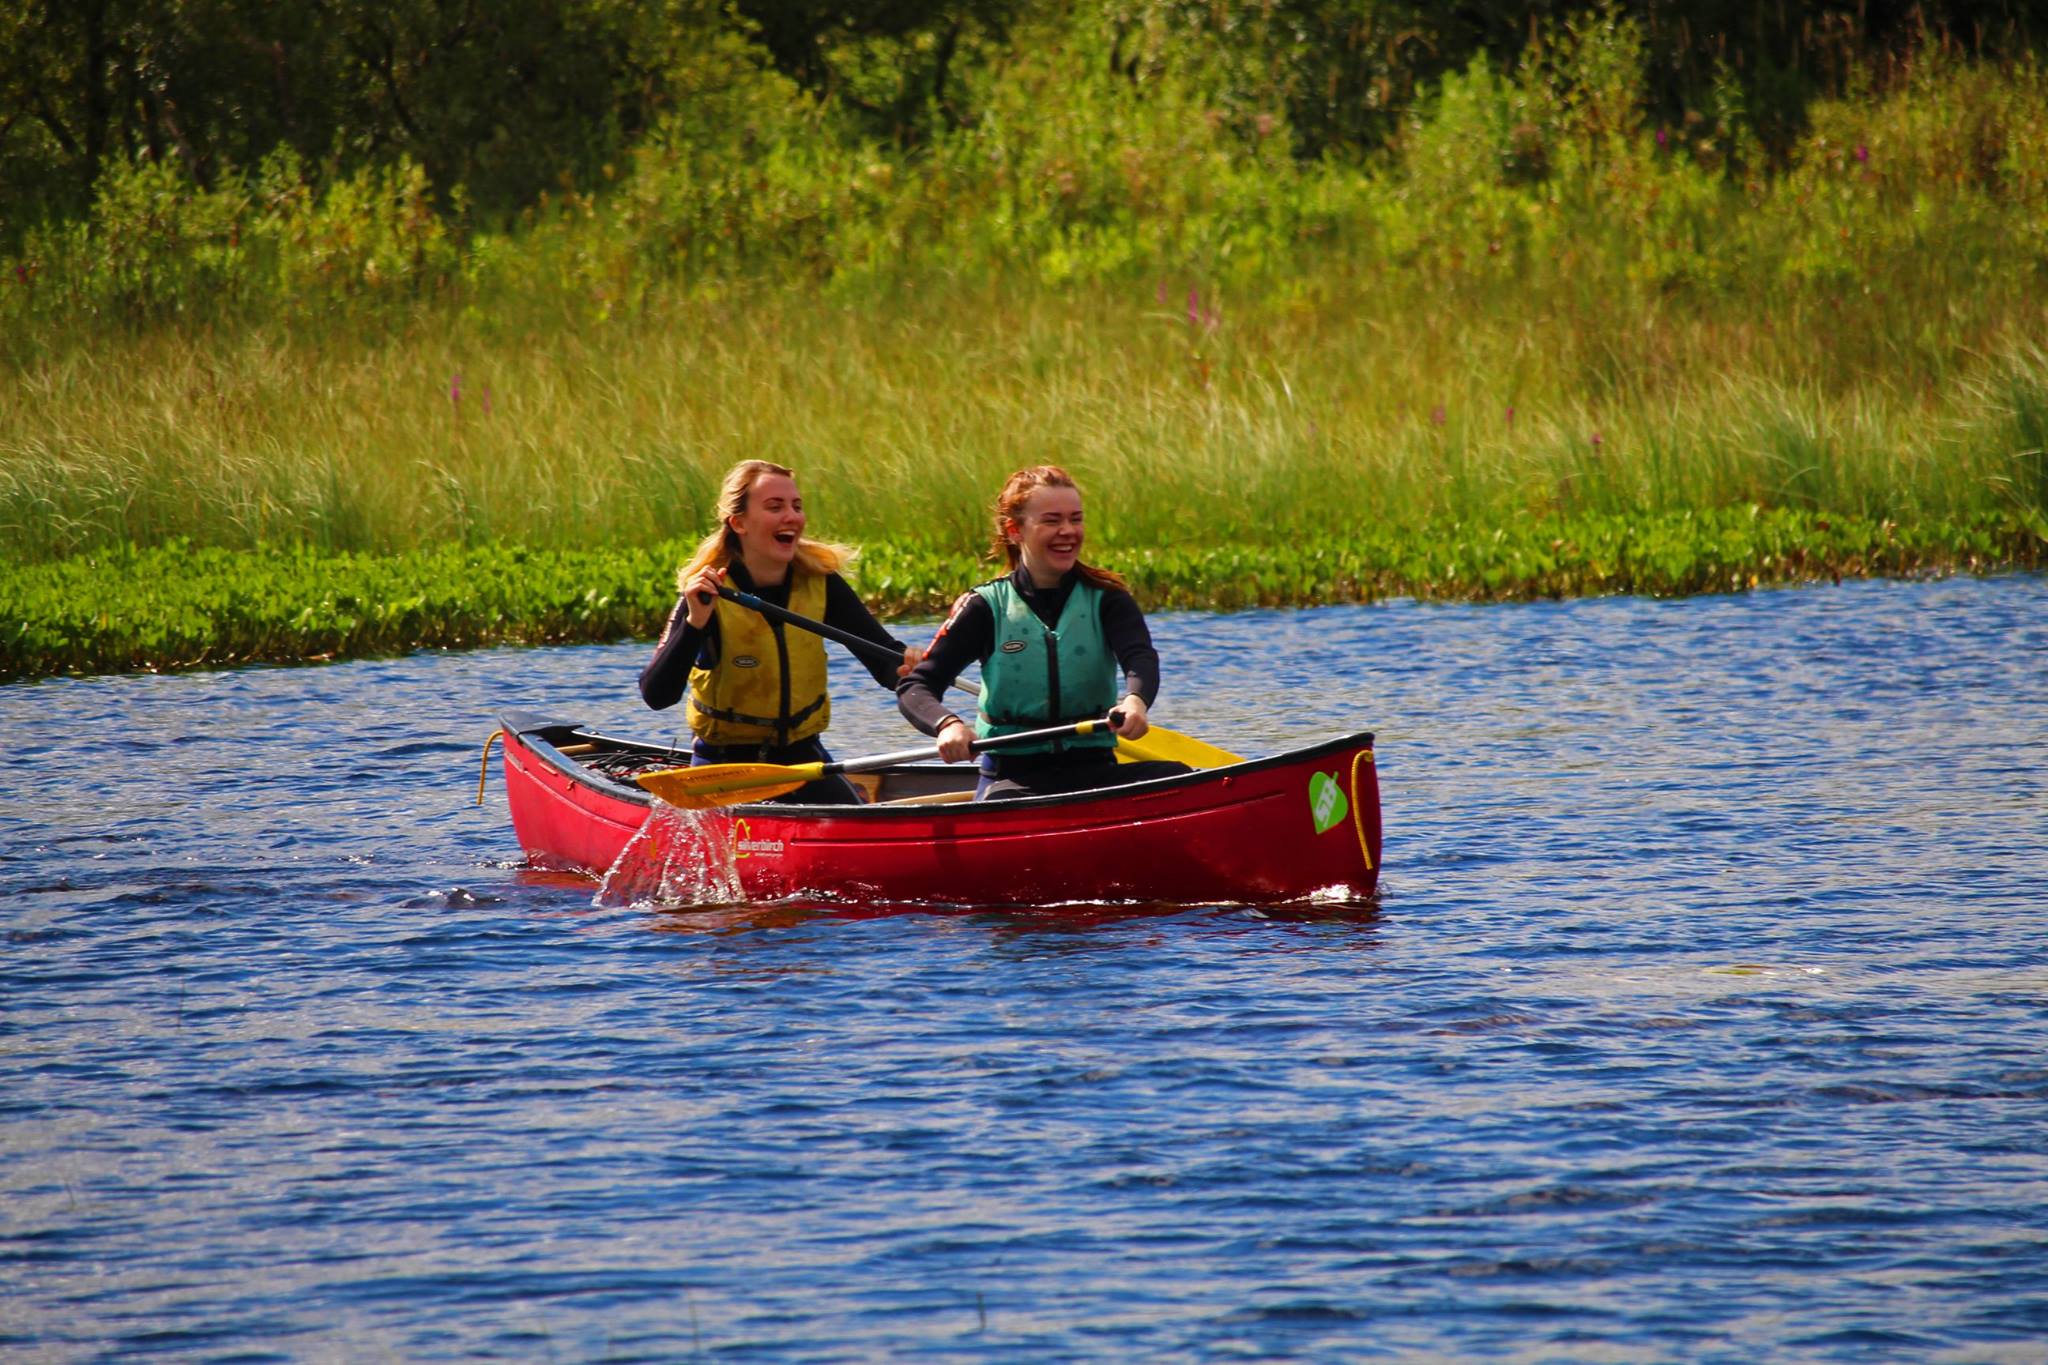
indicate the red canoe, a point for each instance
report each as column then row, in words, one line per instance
column 1265, row 831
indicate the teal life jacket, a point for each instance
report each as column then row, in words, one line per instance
column 1038, row 676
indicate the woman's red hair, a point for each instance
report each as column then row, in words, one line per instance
column 1010, row 511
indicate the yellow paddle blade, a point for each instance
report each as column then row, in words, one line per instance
column 727, row 784
column 1177, row 747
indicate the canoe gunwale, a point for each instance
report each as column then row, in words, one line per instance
column 543, row 735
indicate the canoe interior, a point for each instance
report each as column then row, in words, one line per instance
column 610, row 764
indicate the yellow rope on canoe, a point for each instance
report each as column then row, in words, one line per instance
column 483, row 775
column 1363, row 756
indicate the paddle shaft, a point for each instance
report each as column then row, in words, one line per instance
column 979, row 746
column 859, row 644
column 697, row 787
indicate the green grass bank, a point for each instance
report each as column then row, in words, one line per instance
column 177, row 606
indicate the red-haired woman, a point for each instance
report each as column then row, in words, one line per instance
column 757, row 690
column 1058, row 641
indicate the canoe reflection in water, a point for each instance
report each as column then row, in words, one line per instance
column 1291, row 828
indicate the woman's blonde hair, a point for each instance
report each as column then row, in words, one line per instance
column 717, row 549
column 1010, row 508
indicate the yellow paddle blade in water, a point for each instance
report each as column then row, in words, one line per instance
column 727, row 784
column 1180, row 748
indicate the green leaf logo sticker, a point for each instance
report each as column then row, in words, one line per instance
column 1326, row 802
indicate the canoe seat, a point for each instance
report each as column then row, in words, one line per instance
column 931, row 799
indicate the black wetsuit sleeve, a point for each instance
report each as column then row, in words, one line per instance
column 1130, row 639
column 667, row 676
column 845, row 610
column 966, row 638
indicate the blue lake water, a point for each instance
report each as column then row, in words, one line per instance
column 1703, row 1014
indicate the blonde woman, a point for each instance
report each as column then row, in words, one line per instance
column 756, row 688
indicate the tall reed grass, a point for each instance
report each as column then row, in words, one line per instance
column 1347, row 398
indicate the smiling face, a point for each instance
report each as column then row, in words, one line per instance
column 1047, row 533
column 769, row 527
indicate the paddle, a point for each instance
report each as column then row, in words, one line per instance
column 733, row 784
column 1158, row 742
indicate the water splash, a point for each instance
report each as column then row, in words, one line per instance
column 679, row 857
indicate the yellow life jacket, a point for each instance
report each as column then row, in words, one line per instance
column 768, row 687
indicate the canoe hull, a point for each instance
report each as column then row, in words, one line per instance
column 1272, row 830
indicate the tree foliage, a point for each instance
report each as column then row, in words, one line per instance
column 509, row 101
column 502, row 99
